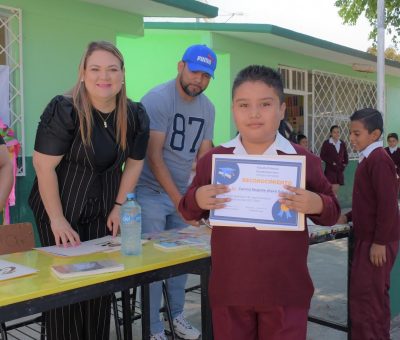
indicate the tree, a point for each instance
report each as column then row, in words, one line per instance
column 390, row 53
column 351, row 10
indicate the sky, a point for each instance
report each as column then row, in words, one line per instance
column 317, row 18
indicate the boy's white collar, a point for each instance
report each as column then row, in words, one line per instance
column 367, row 151
column 280, row 143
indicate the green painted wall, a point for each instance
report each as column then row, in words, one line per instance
column 55, row 34
column 153, row 59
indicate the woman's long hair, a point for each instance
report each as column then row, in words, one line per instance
column 83, row 104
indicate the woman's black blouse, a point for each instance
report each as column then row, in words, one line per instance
column 2, row 140
column 86, row 171
column 59, row 123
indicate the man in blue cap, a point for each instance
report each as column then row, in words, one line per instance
column 181, row 129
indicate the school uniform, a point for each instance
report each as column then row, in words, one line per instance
column 260, row 272
column 395, row 156
column 375, row 216
column 336, row 158
column 88, row 181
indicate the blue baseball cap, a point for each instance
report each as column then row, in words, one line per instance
column 200, row 58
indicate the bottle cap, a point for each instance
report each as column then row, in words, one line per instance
column 131, row 196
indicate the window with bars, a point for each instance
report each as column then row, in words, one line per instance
column 334, row 98
column 11, row 57
column 293, row 79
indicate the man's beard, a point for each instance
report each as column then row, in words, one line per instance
column 188, row 92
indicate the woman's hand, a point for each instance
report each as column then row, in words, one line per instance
column 63, row 232
column 301, row 200
column 206, row 196
column 113, row 220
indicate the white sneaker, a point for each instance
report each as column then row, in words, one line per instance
column 184, row 329
column 158, row 336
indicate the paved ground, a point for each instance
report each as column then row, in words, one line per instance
column 327, row 263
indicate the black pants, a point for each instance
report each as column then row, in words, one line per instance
column 88, row 320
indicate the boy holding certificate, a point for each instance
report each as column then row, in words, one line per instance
column 260, row 287
column 376, row 227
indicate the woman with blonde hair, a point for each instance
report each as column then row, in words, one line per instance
column 82, row 142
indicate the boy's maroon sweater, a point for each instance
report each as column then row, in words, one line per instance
column 375, row 211
column 261, row 268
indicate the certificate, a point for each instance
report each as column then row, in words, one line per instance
column 255, row 183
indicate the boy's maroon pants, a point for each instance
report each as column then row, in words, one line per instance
column 369, row 293
column 259, row 323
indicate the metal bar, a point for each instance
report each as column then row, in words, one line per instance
column 126, row 314
column 24, row 323
column 168, row 310
column 326, row 323
column 145, row 292
column 3, row 331
column 380, row 71
column 191, row 289
column 206, row 320
column 332, row 324
column 350, row 247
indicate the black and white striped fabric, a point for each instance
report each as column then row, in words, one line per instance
column 58, row 134
column 87, row 197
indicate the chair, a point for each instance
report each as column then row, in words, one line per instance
column 166, row 310
column 15, row 238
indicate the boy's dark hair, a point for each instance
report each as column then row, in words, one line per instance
column 300, row 137
column 334, row 127
column 393, row 135
column 371, row 118
column 261, row 73
column 286, row 130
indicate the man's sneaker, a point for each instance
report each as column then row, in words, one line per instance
column 158, row 336
column 184, row 329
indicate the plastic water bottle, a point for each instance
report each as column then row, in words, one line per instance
column 131, row 226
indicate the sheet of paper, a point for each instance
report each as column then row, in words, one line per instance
column 10, row 270
column 103, row 244
column 255, row 183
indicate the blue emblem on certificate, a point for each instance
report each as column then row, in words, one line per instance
column 227, row 173
column 281, row 213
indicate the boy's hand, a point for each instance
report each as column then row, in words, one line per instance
column 206, row 196
column 301, row 200
column 377, row 254
column 342, row 219
column 194, row 223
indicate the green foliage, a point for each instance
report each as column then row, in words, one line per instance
column 351, row 10
column 390, row 53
